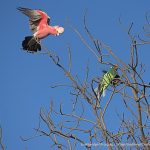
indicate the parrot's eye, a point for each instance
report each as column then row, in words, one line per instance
column 57, row 33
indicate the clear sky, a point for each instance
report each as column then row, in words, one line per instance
column 25, row 79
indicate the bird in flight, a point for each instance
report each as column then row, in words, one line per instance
column 39, row 23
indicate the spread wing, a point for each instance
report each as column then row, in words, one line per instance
column 35, row 17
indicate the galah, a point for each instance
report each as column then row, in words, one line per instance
column 110, row 77
column 39, row 25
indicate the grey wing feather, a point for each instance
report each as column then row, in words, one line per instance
column 34, row 16
column 33, row 25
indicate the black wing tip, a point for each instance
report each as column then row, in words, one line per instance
column 23, row 8
column 20, row 8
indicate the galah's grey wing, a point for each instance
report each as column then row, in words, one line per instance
column 32, row 14
column 34, row 17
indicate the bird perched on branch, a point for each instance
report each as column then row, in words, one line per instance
column 39, row 25
column 110, row 77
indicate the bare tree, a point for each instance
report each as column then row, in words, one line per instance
column 76, row 129
column 1, row 142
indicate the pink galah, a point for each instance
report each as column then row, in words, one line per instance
column 39, row 25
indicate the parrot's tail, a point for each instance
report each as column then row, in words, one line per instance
column 104, row 93
column 99, row 92
column 96, row 90
column 30, row 44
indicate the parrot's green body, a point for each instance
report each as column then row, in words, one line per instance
column 106, row 80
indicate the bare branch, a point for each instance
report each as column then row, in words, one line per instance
column 1, row 143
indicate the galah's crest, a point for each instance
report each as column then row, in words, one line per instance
column 39, row 25
column 110, row 77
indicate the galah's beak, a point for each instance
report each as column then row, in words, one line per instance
column 60, row 30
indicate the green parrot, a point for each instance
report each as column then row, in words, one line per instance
column 108, row 78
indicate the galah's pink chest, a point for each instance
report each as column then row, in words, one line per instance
column 42, row 32
column 45, row 30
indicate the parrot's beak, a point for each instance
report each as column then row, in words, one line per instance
column 57, row 33
column 60, row 30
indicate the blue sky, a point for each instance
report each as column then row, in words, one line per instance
column 25, row 79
